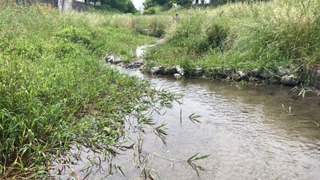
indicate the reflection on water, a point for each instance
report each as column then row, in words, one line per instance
column 245, row 129
column 141, row 49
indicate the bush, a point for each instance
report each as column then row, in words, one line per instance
column 216, row 35
column 149, row 11
column 160, row 32
column 194, row 43
column 156, row 29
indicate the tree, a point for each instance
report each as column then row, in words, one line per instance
column 125, row 6
column 131, row 8
column 161, row 2
column 151, row 3
column 148, row 4
column 166, row 4
column 67, row 6
column 183, row 2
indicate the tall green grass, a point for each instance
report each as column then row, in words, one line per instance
column 54, row 90
column 153, row 25
column 241, row 35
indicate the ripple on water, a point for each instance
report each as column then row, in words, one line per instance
column 247, row 132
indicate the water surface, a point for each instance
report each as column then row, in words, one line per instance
column 245, row 130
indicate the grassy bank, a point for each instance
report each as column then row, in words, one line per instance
column 54, row 90
column 243, row 36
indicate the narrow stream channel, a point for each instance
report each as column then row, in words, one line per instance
column 244, row 129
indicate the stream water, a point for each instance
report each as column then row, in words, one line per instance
column 245, row 129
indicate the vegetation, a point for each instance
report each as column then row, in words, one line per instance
column 125, row 6
column 103, row 9
column 149, row 11
column 242, row 35
column 54, row 90
column 166, row 3
column 56, row 93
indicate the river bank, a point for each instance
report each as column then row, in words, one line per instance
column 274, row 42
column 263, row 42
column 55, row 93
column 289, row 76
column 58, row 95
column 262, row 132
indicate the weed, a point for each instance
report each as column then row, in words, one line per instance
column 56, row 93
column 241, row 35
column 288, row 110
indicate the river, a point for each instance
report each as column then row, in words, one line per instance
column 245, row 129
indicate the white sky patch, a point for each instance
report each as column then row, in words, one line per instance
column 137, row 3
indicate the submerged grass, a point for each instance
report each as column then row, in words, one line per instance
column 54, row 92
column 241, row 35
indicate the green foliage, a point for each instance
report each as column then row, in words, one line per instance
column 242, row 35
column 159, row 32
column 195, row 158
column 157, row 9
column 155, row 25
column 54, row 92
column 166, row 3
column 105, row 9
column 149, row 11
column 125, row 6
column 187, row 3
column 156, row 29
column 75, row 35
column 194, row 43
column 216, row 35
column 163, row 4
column 149, row 3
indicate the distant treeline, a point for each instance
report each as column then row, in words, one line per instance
column 29, row 2
column 76, row 5
column 149, row 5
column 125, row 6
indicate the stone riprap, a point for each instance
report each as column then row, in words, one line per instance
column 288, row 76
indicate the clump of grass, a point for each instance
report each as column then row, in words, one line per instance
column 241, row 35
column 155, row 25
column 54, row 91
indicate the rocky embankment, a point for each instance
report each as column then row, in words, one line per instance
column 289, row 76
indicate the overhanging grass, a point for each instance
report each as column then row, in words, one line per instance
column 54, row 91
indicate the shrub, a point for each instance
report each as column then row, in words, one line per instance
column 194, row 43
column 149, row 11
column 216, row 35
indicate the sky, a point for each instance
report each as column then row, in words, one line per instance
column 137, row 3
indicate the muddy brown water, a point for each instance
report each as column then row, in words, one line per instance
column 245, row 130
